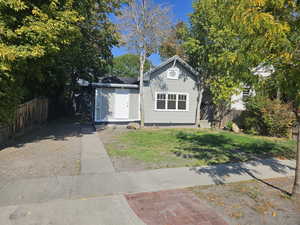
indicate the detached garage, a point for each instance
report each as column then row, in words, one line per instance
column 116, row 103
column 116, row 100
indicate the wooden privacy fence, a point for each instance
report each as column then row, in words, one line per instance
column 28, row 115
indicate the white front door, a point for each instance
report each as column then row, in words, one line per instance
column 121, row 104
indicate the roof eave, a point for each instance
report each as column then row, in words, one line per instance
column 174, row 58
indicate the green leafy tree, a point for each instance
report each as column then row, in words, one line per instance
column 222, row 88
column 47, row 45
column 29, row 32
column 232, row 37
column 128, row 65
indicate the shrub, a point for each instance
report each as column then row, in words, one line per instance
column 229, row 125
column 268, row 117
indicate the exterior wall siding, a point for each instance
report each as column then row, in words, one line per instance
column 134, row 109
column 160, row 83
column 105, row 103
column 237, row 102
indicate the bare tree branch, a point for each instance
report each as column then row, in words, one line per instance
column 144, row 26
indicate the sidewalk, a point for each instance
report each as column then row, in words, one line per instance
column 112, row 183
column 112, row 210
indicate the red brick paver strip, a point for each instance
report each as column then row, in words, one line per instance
column 176, row 207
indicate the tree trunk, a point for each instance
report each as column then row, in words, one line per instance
column 296, row 188
column 142, row 63
column 199, row 102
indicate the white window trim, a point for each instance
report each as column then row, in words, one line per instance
column 166, row 102
column 97, row 92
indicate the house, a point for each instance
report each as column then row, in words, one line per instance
column 170, row 96
column 238, row 100
column 263, row 71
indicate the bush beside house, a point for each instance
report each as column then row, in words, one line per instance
column 264, row 116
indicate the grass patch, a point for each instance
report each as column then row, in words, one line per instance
column 191, row 147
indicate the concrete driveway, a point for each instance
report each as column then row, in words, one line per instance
column 52, row 150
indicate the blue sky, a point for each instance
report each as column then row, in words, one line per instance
column 181, row 9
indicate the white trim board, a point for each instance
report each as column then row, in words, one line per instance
column 116, row 120
column 97, row 95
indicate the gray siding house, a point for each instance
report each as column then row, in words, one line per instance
column 170, row 96
column 170, row 93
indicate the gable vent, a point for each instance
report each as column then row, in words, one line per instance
column 173, row 73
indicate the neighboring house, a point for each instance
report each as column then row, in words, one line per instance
column 170, row 96
column 238, row 100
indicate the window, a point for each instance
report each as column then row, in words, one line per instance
column 161, row 101
column 246, row 93
column 171, row 101
column 173, row 73
column 182, row 102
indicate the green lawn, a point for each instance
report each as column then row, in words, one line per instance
column 191, row 147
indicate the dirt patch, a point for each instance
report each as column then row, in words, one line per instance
column 254, row 202
column 53, row 150
column 176, row 207
column 110, row 133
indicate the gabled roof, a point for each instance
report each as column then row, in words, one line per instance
column 174, row 59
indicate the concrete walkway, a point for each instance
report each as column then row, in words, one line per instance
column 94, row 158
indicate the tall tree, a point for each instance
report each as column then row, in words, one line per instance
column 173, row 45
column 202, row 47
column 229, row 38
column 128, row 65
column 44, row 43
column 29, row 32
column 144, row 26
